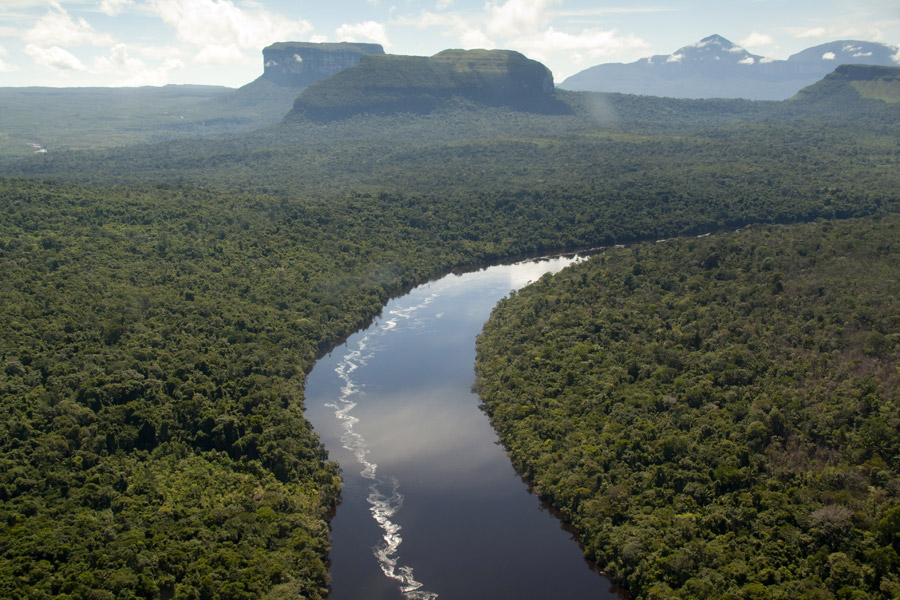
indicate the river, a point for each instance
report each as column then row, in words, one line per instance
column 431, row 506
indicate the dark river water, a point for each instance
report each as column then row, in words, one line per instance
column 431, row 506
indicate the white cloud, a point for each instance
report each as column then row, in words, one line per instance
column 518, row 17
column 113, row 7
column 829, row 56
column 757, row 40
column 160, row 53
column 443, row 4
column 130, row 71
column 217, row 55
column 747, row 61
column 220, row 30
column 613, row 10
column 474, row 38
column 807, row 32
column 57, row 28
column 465, row 31
column 896, row 57
column 172, row 64
column 593, row 43
column 523, row 25
column 211, row 22
column 368, row 31
column 871, row 31
column 55, row 58
column 675, row 58
column 4, row 67
column 117, row 60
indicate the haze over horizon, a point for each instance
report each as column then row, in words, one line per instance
column 219, row 42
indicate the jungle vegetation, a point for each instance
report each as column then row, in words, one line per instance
column 160, row 304
column 718, row 417
column 58, row 119
column 154, row 344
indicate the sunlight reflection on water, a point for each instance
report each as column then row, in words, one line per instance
column 421, row 460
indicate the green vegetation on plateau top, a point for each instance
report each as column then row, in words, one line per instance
column 389, row 84
column 717, row 417
column 868, row 82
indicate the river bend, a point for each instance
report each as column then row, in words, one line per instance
column 431, row 506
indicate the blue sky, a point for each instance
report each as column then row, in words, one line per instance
column 156, row 42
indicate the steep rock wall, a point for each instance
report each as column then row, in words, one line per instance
column 298, row 64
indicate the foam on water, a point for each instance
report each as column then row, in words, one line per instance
column 383, row 505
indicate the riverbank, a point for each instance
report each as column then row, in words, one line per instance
column 430, row 503
column 713, row 415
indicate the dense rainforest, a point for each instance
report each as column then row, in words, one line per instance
column 154, row 343
column 161, row 304
column 718, row 417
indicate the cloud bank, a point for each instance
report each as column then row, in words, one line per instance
column 369, row 31
column 220, row 30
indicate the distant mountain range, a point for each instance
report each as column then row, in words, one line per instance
column 318, row 83
column 714, row 67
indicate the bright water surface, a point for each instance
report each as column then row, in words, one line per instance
column 431, row 506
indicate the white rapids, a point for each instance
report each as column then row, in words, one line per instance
column 384, row 497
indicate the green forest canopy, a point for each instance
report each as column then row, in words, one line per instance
column 717, row 417
column 161, row 304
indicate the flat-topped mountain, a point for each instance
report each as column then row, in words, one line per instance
column 389, row 84
column 288, row 68
column 849, row 83
column 299, row 64
column 714, row 67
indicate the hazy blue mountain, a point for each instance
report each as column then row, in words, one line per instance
column 845, row 52
column 714, row 67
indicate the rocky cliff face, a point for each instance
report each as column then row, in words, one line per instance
column 298, row 64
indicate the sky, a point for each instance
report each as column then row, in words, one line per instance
column 64, row 43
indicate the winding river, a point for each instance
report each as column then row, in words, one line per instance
column 431, row 506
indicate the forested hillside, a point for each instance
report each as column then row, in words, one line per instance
column 717, row 417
